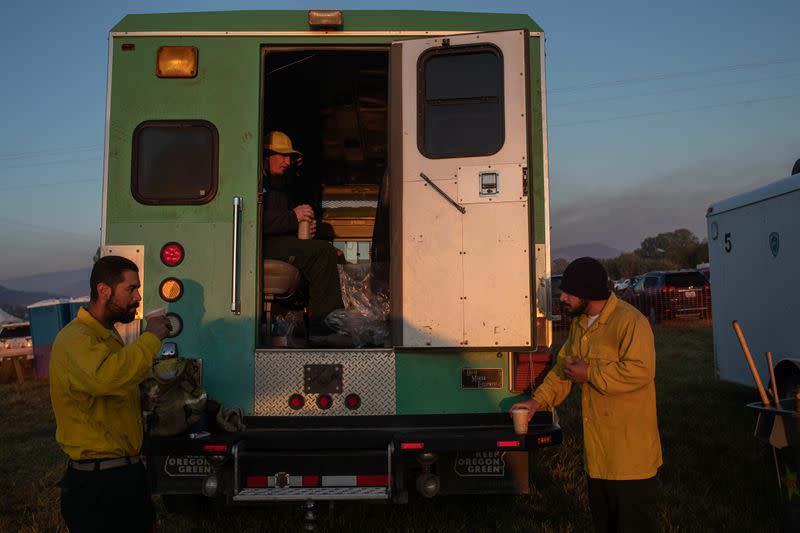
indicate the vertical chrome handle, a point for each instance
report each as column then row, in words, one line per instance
column 236, row 303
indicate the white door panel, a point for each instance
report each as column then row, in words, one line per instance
column 432, row 229
column 465, row 276
column 496, row 282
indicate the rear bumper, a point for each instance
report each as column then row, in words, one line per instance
column 436, row 432
column 307, row 448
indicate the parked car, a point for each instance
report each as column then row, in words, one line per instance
column 555, row 293
column 672, row 294
column 15, row 339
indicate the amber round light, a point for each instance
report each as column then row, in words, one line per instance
column 324, row 401
column 171, row 289
column 172, row 254
column 352, row 401
column 296, row 401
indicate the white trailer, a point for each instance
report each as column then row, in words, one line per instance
column 754, row 251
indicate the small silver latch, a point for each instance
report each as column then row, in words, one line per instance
column 489, row 183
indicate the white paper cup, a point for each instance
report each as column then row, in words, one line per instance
column 155, row 312
column 520, row 418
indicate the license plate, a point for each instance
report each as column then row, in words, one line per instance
column 690, row 294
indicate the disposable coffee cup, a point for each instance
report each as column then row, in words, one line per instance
column 303, row 230
column 154, row 313
column 520, row 418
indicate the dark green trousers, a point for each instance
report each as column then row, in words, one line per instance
column 316, row 261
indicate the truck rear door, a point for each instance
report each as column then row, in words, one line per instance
column 460, row 211
column 181, row 148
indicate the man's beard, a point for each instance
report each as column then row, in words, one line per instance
column 578, row 309
column 123, row 315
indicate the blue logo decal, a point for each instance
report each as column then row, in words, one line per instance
column 774, row 243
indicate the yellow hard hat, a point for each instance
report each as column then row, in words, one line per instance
column 279, row 142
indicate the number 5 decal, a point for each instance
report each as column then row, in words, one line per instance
column 728, row 244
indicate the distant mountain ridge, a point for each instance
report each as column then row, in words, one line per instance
column 592, row 249
column 68, row 283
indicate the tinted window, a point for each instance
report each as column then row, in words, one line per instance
column 685, row 279
column 461, row 102
column 174, row 162
column 10, row 332
column 650, row 282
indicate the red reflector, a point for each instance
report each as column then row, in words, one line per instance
column 172, row 254
column 372, row 481
column 324, row 401
column 530, row 368
column 311, row 481
column 296, row 401
column 256, row 482
column 508, row 444
column 215, row 448
column 412, row 445
column 352, row 401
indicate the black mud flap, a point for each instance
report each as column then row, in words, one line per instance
column 483, row 472
column 178, row 474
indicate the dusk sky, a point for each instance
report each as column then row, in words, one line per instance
column 655, row 111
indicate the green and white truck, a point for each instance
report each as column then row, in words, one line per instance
column 435, row 122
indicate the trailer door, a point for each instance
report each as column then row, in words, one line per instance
column 461, row 267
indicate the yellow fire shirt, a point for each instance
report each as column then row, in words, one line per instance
column 94, row 388
column 620, row 430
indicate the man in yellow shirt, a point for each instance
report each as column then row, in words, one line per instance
column 610, row 353
column 94, row 389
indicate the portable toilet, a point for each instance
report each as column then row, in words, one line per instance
column 75, row 304
column 47, row 318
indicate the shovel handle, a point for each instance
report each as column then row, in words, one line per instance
column 773, row 382
column 751, row 363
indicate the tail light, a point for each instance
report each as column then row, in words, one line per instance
column 296, row 401
column 352, row 401
column 529, row 368
column 324, row 401
column 668, row 288
column 172, row 254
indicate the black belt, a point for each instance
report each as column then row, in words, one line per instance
column 89, row 465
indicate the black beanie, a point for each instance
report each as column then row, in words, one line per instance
column 587, row 279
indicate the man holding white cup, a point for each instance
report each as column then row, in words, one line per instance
column 289, row 235
column 610, row 353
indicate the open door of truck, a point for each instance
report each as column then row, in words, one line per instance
column 460, row 217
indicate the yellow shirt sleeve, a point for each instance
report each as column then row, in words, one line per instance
column 636, row 366
column 556, row 387
column 97, row 368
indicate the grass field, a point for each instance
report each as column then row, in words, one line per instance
column 716, row 476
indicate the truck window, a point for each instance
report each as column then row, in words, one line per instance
column 461, row 102
column 174, row 162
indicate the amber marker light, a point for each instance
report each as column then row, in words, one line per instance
column 171, row 289
column 176, row 62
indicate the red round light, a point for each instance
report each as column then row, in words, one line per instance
column 172, row 254
column 352, row 401
column 296, row 401
column 324, row 401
